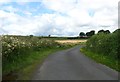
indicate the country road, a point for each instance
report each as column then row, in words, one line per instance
column 71, row 64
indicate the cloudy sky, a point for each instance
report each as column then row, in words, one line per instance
column 57, row 17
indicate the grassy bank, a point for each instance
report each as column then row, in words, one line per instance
column 35, row 60
column 103, row 59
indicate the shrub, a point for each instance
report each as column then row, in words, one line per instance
column 107, row 44
column 15, row 48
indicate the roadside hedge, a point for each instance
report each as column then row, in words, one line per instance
column 106, row 44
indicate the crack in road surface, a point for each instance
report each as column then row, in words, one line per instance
column 71, row 64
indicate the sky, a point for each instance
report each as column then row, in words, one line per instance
column 57, row 17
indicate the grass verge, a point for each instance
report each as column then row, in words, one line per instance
column 34, row 61
column 106, row 60
column 25, row 67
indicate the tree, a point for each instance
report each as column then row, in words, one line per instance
column 82, row 34
column 31, row 36
column 117, row 31
column 49, row 35
column 101, row 31
column 88, row 34
column 104, row 31
column 91, row 33
column 107, row 32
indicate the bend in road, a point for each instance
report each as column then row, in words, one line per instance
column 71, row 64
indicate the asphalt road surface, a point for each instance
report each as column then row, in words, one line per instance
column 71, row 64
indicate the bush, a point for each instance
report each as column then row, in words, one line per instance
column 18, row 46
column 106, row 44
column 15, row 48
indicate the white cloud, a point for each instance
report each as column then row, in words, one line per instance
column 10, row 9
column 70, row 18
column 59, row 5
column 105, row 12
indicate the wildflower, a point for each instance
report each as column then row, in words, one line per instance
column 57, row 46
column 9, row 49
column 13, row 48
column 23, row 45
column 5, row 52
column 23, row 42
column 15, row 45
column 11, row 37
column 9, row 45
column 91, row 45
column 99, row 42
column 41, row 42
column 5, row 37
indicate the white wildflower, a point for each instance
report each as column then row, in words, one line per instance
column 91, row 45
column 11, row 37
column 13, row 48
column 41, row 42
column 9, row 45
column 9, row 49
column 5, row 52
column 5, row 37
column 23, row 43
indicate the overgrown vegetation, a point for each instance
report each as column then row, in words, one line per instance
column 21, row 51
column 104, row 47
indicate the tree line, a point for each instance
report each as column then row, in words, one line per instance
column 92, row 32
